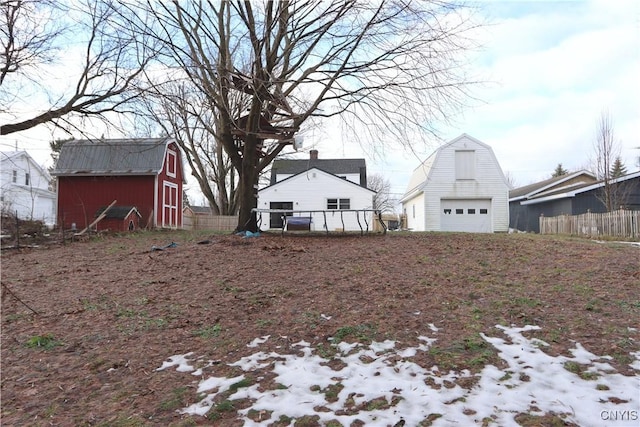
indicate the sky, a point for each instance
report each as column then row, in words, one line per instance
column 533, row 382
column 550, row 68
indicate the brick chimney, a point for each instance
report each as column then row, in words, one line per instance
column 313, row 154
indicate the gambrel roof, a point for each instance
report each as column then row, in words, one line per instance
column 422, row 173
column 139, row 156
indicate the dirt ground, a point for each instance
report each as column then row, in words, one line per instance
column 86, row 325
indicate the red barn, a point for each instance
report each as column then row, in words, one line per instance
column 145, row 174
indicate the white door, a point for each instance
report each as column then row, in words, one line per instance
column 170, row 205
column 470, row 215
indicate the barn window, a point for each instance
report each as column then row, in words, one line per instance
column 471, row 211
column 172, row 159
column 465, row 164
column 483, row 211
column 459, row 211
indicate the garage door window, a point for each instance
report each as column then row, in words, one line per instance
column 483, row 212
column 471, row 211
column 459, row 211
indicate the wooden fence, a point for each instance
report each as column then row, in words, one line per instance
column 622, row 223
column 210, row 222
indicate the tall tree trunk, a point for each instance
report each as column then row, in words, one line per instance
column 248, row 187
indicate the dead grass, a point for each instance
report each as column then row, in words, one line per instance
column 117, row 310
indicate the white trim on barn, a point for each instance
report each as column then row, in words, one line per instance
column 170, row 206
column 460, row 187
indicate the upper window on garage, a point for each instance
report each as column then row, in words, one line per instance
column 465, row 164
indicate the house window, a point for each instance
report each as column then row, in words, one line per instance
column 14, row 177
column 414, row 210
column 465, row 164
column 27, row 179
column 333, row 204
column 172, row 159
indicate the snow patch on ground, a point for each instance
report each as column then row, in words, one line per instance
column 534, row 382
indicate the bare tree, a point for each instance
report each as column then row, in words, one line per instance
column 606, row 150
column 382, row 200
column 181, row 111
column 511, row 179
column 390, row 69
column 36, row 33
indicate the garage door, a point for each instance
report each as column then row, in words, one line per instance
column 471, row 215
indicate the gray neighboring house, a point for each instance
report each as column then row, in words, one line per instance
column 571, row 194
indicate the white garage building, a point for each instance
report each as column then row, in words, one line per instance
column 460, row 187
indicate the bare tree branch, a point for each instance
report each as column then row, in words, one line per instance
column 390, row 69
column 109, row 77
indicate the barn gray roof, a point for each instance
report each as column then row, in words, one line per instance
column 140, row 156
column 333, row 166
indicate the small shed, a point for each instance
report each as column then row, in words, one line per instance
column 119, row 218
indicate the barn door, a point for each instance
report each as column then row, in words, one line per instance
column 170, row 205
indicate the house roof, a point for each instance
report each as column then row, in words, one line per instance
column 551, row 184
column 346, row 181
column 140, row 156
column 118, row 212
column 332, row 166
column 571, row 192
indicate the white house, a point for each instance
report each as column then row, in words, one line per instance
column 25, row 188
column 334, row 188
column 460, row 187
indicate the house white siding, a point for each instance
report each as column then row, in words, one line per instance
column 24, row 188
column 311, row 190
column 463, row 173
column 414, row 212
